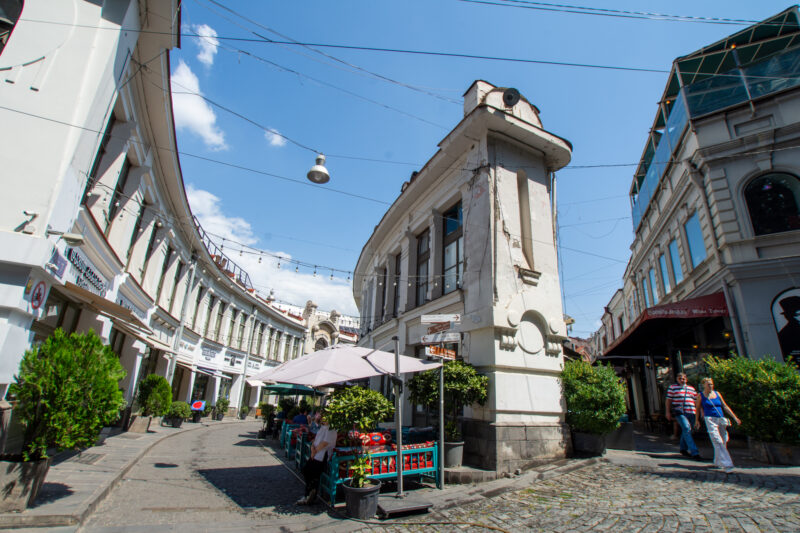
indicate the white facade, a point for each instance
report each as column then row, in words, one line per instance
column 472, row 233
column 88, row 147
column 716, row 210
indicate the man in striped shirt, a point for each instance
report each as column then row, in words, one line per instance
column 680, row 404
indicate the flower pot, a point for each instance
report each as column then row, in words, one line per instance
column 196, row 415
column 453, row 454
column 362, row 503
column 588, row 444
column 262, row 433
column 20, row 482
column 774, row 453
column 176, row 422
column 220, row 416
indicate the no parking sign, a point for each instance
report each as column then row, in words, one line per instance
column 198, row 405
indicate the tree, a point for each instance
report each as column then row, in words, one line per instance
column 67, row 389
column 594, row 395
column 155, row 396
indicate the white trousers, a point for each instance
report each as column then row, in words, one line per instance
column 719, row 438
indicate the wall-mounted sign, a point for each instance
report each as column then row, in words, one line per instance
column 38, row 295
column 433, row 319
column 209, row 354
column 438, row 338
column 786, row 315
column 127, row 304
column 57, row 264
column 86, row 275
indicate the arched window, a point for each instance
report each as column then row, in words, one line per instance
column 773, row 201
column 321, row 344
column 9, row 14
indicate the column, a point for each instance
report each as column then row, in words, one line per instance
column 436, row 225
column 189, row 389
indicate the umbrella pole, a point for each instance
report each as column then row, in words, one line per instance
column 441, row 426
column 398, row 418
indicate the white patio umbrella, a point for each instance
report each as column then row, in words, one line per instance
column 341, row 363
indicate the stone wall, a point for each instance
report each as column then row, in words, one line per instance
column 507, row 447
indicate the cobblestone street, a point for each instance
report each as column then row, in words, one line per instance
column 608, row 497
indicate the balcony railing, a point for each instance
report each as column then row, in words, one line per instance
column 225, row 264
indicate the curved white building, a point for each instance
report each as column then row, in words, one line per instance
column 95, row 228
column 472, row 234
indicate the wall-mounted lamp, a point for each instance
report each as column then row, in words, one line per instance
column 73, row 239
column 318, row 173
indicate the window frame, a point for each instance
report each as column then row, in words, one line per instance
column 455, row 237
column 423, row 266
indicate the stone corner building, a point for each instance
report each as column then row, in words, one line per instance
column 473, row 233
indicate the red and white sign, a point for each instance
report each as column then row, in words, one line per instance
column 38, row 295
column 442, row 326
column 436, row 351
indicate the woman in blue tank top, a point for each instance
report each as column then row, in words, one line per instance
column 712, row 408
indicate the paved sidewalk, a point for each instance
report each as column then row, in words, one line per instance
column 77, row 482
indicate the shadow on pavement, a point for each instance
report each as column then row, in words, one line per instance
column 259, row 486
column 51, row 492
column 739, row 476
column 248, row 442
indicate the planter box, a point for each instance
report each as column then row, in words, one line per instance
column 774, row 453
column 588, row 444
column 453, row 454
column 20, row 483
column 140, row 424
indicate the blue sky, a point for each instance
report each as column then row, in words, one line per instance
column 248, row 183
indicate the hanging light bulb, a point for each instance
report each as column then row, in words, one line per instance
column 331, row 275
column 318, row 173
column 240, row 252
column 348, row 276
column 296, row 268
column 279, row 264
column 315, row 271
column 259, row 259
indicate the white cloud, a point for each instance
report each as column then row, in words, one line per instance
column 207, row 42
column 292, row 287
column 191, row 112
column 274, row 138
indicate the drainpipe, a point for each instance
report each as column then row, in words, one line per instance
column 179, row 334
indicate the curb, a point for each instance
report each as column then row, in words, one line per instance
column 21, row 520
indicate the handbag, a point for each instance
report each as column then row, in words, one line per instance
column 724, row 421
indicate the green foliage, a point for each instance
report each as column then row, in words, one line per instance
column 452, row 433
column 306, row 406
column 179, row 410
column 243, row 410
column 286, row 404
column 462, row 386
column 67, row 389
column 267, row 410
column 207, row 409
column 764, row 394
column 360, row 409
column 293, row 412
column 222, row 405
column 594, row 395
column 155, row 396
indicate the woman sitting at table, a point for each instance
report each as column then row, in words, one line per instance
column 321, row 451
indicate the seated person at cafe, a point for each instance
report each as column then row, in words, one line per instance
column 301, row 417
column 321, row 451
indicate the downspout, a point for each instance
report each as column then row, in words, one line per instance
column 179, row 334
column 493, row 220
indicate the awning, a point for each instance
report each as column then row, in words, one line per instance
column 254, row 382
column 105, row 307
column 202, row 370
column 644, row 330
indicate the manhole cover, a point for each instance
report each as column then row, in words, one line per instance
column 87, row 458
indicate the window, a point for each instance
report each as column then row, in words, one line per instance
column 211, row 300
column 10, row 10
column 151, row 244
column 396, row 305
column 270, row 336
column 453, row 265
column 101, row 151
column 116, row 341
column 621, row 324
column 277, row 345
column 164, row 267
column 423, row 254
column 137, row 229
column 662, row 263
column 114, row 203
column 645, row 294
column 631, row 310
column 232, row 328
column 260, row 342
column 197, row 302
column 774, row 203
column 651, row 277
column 242, row 325
column 675, row 258
column 694, row 237
column 175, row 283
column 286, row 345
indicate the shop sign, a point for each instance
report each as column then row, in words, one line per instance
column 209, row 354
column 255, row 365
column 86, row 275
column 57, row 264
column 127, row 304
column 437, row 351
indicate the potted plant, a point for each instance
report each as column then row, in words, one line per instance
column 462, row 386
column 595, row 401
column 54, row 409
column 243, row 411
column 154, row 399
column 222, row 407
column 267, row 412
column 359, row 409
column 178, row 412
column 766, row 395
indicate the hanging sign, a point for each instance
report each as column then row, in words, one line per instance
column 433, row 319
column 442, row 326
column 438, row 338
column 437, row 351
